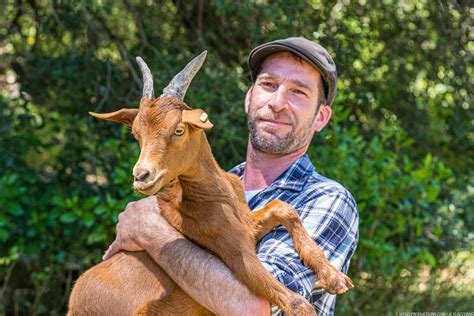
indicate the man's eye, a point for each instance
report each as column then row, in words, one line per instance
column 297, row 91
column 179, row 131
column 267, row 84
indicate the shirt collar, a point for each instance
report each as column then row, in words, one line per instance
column 294, row 178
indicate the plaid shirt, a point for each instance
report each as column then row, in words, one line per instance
column 329, row 214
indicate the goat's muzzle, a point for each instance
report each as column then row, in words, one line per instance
column 147, row 181
column 142, row 174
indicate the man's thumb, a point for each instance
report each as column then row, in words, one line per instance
column 113, row 249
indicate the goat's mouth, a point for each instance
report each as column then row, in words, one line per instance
column 150, row 187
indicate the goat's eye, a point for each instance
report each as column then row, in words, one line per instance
column 179, row 131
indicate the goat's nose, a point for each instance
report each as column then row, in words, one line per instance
column 141, row 174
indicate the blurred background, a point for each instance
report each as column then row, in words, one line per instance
column 401, row 137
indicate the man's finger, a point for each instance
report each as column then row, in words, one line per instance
column 113, row 249
column 153, row 200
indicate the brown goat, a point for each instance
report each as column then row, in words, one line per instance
column 205, row 204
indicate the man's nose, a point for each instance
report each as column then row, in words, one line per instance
column 280, row 99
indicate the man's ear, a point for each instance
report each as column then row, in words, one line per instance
column 125, row 116
column 247, row 99
column 197, row 118
column 322, row 118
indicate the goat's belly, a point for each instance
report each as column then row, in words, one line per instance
column 119, row 285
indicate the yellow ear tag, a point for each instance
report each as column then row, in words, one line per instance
column 196, row 117
column 203, row 117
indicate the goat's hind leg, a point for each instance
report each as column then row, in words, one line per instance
column 278, row 212
column 175, row 303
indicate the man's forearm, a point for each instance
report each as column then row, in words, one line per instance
column 203, row 276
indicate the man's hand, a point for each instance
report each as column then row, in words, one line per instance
column 137, row 225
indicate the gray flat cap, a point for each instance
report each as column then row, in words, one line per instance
column 314, row 54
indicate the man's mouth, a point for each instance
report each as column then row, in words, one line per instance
column 274, row 122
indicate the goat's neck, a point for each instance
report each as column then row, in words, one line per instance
column 204, row 180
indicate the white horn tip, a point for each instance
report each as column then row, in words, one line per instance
column 202, row 56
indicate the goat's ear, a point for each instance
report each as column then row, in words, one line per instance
column 125, row 116
column 197, row 118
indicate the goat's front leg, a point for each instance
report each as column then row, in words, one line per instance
column 278, row 212
column 248, row 269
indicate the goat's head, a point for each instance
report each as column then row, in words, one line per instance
column 167, row 130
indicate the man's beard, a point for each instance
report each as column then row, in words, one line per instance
column 267, row 142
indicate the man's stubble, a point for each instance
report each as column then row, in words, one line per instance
column 270, row 143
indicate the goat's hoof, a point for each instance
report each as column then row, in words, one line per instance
column 335, row 282
column 301, row 307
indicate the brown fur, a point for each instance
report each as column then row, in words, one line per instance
column 207, row 205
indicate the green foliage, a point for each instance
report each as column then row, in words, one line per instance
column 408, row 220
column 400, row 138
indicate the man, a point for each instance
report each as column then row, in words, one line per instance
column 294, row 85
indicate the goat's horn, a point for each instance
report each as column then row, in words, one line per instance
column 180, row 83
column 147, row 79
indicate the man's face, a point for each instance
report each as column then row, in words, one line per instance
column 282, row 105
